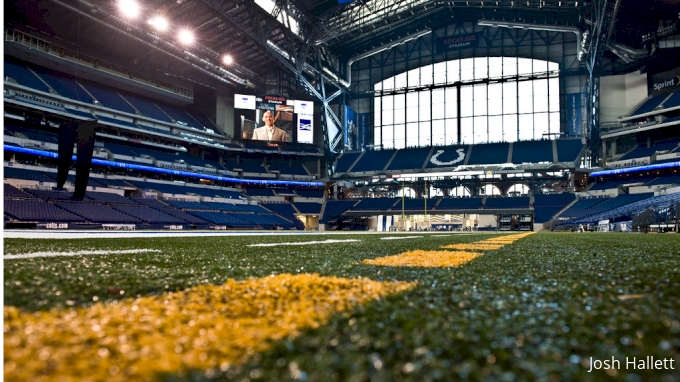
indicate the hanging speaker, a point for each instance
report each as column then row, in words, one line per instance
column 86, row 132
column 67, row 137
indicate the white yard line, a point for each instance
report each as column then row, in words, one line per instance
column 400, row 237
column 79, row 253
column 304, row 243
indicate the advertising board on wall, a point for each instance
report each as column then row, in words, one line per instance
column 664, row 82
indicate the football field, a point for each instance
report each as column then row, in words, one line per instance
column 415, row 306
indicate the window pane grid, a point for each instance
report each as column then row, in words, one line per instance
column 486, row 112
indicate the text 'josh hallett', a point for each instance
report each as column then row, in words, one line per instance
column 632, row 363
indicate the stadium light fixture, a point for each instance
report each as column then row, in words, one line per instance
column 227, row 59
column 160, row 23
column 128, row 8
column 185, row 36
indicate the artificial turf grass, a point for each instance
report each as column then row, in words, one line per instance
column 490, row 325
column 459, row 320
column 203, row 327
column 45, row 283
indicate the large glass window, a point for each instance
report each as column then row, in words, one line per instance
column 469, row 104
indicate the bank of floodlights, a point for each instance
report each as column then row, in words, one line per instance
column 130, row 9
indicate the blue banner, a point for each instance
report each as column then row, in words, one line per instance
column 350, row 129
column 574, row 118
column 362, row 127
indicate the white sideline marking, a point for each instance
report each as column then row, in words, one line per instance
column 79, row 253
column 303, row 243
column 400, row 237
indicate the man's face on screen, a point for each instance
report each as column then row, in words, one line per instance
column 268, row 119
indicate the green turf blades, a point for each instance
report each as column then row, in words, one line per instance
column 538, row 308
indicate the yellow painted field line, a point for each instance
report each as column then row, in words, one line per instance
column 473, row 246
column 208, row 327
column 488, row 244
column 420, row 258
column 441, row 259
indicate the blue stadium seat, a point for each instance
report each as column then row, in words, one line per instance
column 345, row 161
column 38, row 211
column 546, row 206
column 23, row 76
column 376, row 204
column 108, row 97
column 493, row 153
column 375, row 160
column 64, row 84
column 308, row 208
column 650, row 104
column 568, row 150
column 532, row 151
column 507, row 202
column 335, row 208
column 409, row 159
column 459, row 204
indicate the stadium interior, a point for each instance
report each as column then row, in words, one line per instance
column 427, row 115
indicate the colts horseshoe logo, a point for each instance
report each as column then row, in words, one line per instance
column 434, row 160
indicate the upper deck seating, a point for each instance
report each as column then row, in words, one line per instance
column 568, row 150
column 63, row 84
column 295, row 168
column 672, row 101
column 375, row 160
column 177, row 114
column 459, row 203
column 665, row 179
column 376, row 204
column 650, row 104
column 147, row 108
column 532, row 151
column 492, row 153
column 23, row 76
column 108, row 97
column 310, row 193
column 409, row 159
column 26, row 174
column 202, row 120
column 507, row 202
column 643, row 151
column 416, row 204
column 259, row 192
column 345, row 161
